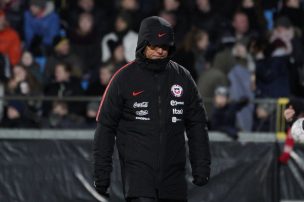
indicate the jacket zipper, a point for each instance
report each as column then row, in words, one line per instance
column 160, row 127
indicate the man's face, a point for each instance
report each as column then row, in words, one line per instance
column 203, row 42
column 240, row 23
column 61, row 74
column 293, row 3
column 120, row 24
column 105, row 75
column 35, row 10
column 19, row 73
column 203, row 4
column 129, row 4
column 156, row 52
column 86, row 5
column 27, row 59
column 220, row 101
column 171, row 5
column 12, row 113
column 85, row 23
column 60, row 109
column 248, row 3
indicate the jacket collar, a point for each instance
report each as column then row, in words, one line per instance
column 152, row 65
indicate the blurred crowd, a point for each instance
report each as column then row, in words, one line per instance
column 236, row 50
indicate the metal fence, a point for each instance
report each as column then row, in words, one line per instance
column 274, row 107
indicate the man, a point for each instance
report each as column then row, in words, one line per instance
column 241, row 26
column 62, row 52
column 121, row 34
column 10, row 43
column 148, row 105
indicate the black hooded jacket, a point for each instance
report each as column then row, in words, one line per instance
column 148, row 105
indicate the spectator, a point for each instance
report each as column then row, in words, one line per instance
column 62, row 53
column 27, row 60
column 99, row 14
column 16, row 116
column 293, row 11
column 10, row 43
column 179, row 31
column 98, row 86
column 254, row 14
column 241, row 84
column 23, row 82
column 41, row 25
column 91, row 113
column 193, row 51
column 223, row 117
column 61, row 118
column 241, row 28
column 294, row 110
column 272, row 74
column 185, row 53
column 132, row 8
column 264, row 118
column 202, row 51
column 14, row 13
column 224, row 60
column 64, row 85
column 204, row 17
column 117, row 54
column 176, row 13
column 291, row 36
column 122, row 34
column 208, row 82
column 272, row 70
column 85, row 42
column 179, row 10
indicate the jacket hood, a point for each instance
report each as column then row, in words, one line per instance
column 155, row 31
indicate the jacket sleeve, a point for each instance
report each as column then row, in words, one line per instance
column 15, row 49
column 197, row 133
column 107, row 121
column 53, row 24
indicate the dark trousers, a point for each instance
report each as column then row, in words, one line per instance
column 142, row 199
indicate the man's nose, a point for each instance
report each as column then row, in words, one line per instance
column 159, row 50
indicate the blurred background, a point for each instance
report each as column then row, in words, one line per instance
column 252, row 50
column 246, row 56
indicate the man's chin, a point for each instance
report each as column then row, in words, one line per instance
column 158, row 58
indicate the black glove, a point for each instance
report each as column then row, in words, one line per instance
column 102, row 190
column 200, row 181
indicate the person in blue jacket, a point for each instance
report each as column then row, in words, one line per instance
column 41, row 23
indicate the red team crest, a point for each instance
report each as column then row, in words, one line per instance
column 177, row 90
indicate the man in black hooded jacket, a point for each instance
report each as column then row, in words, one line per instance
column 148, row 105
